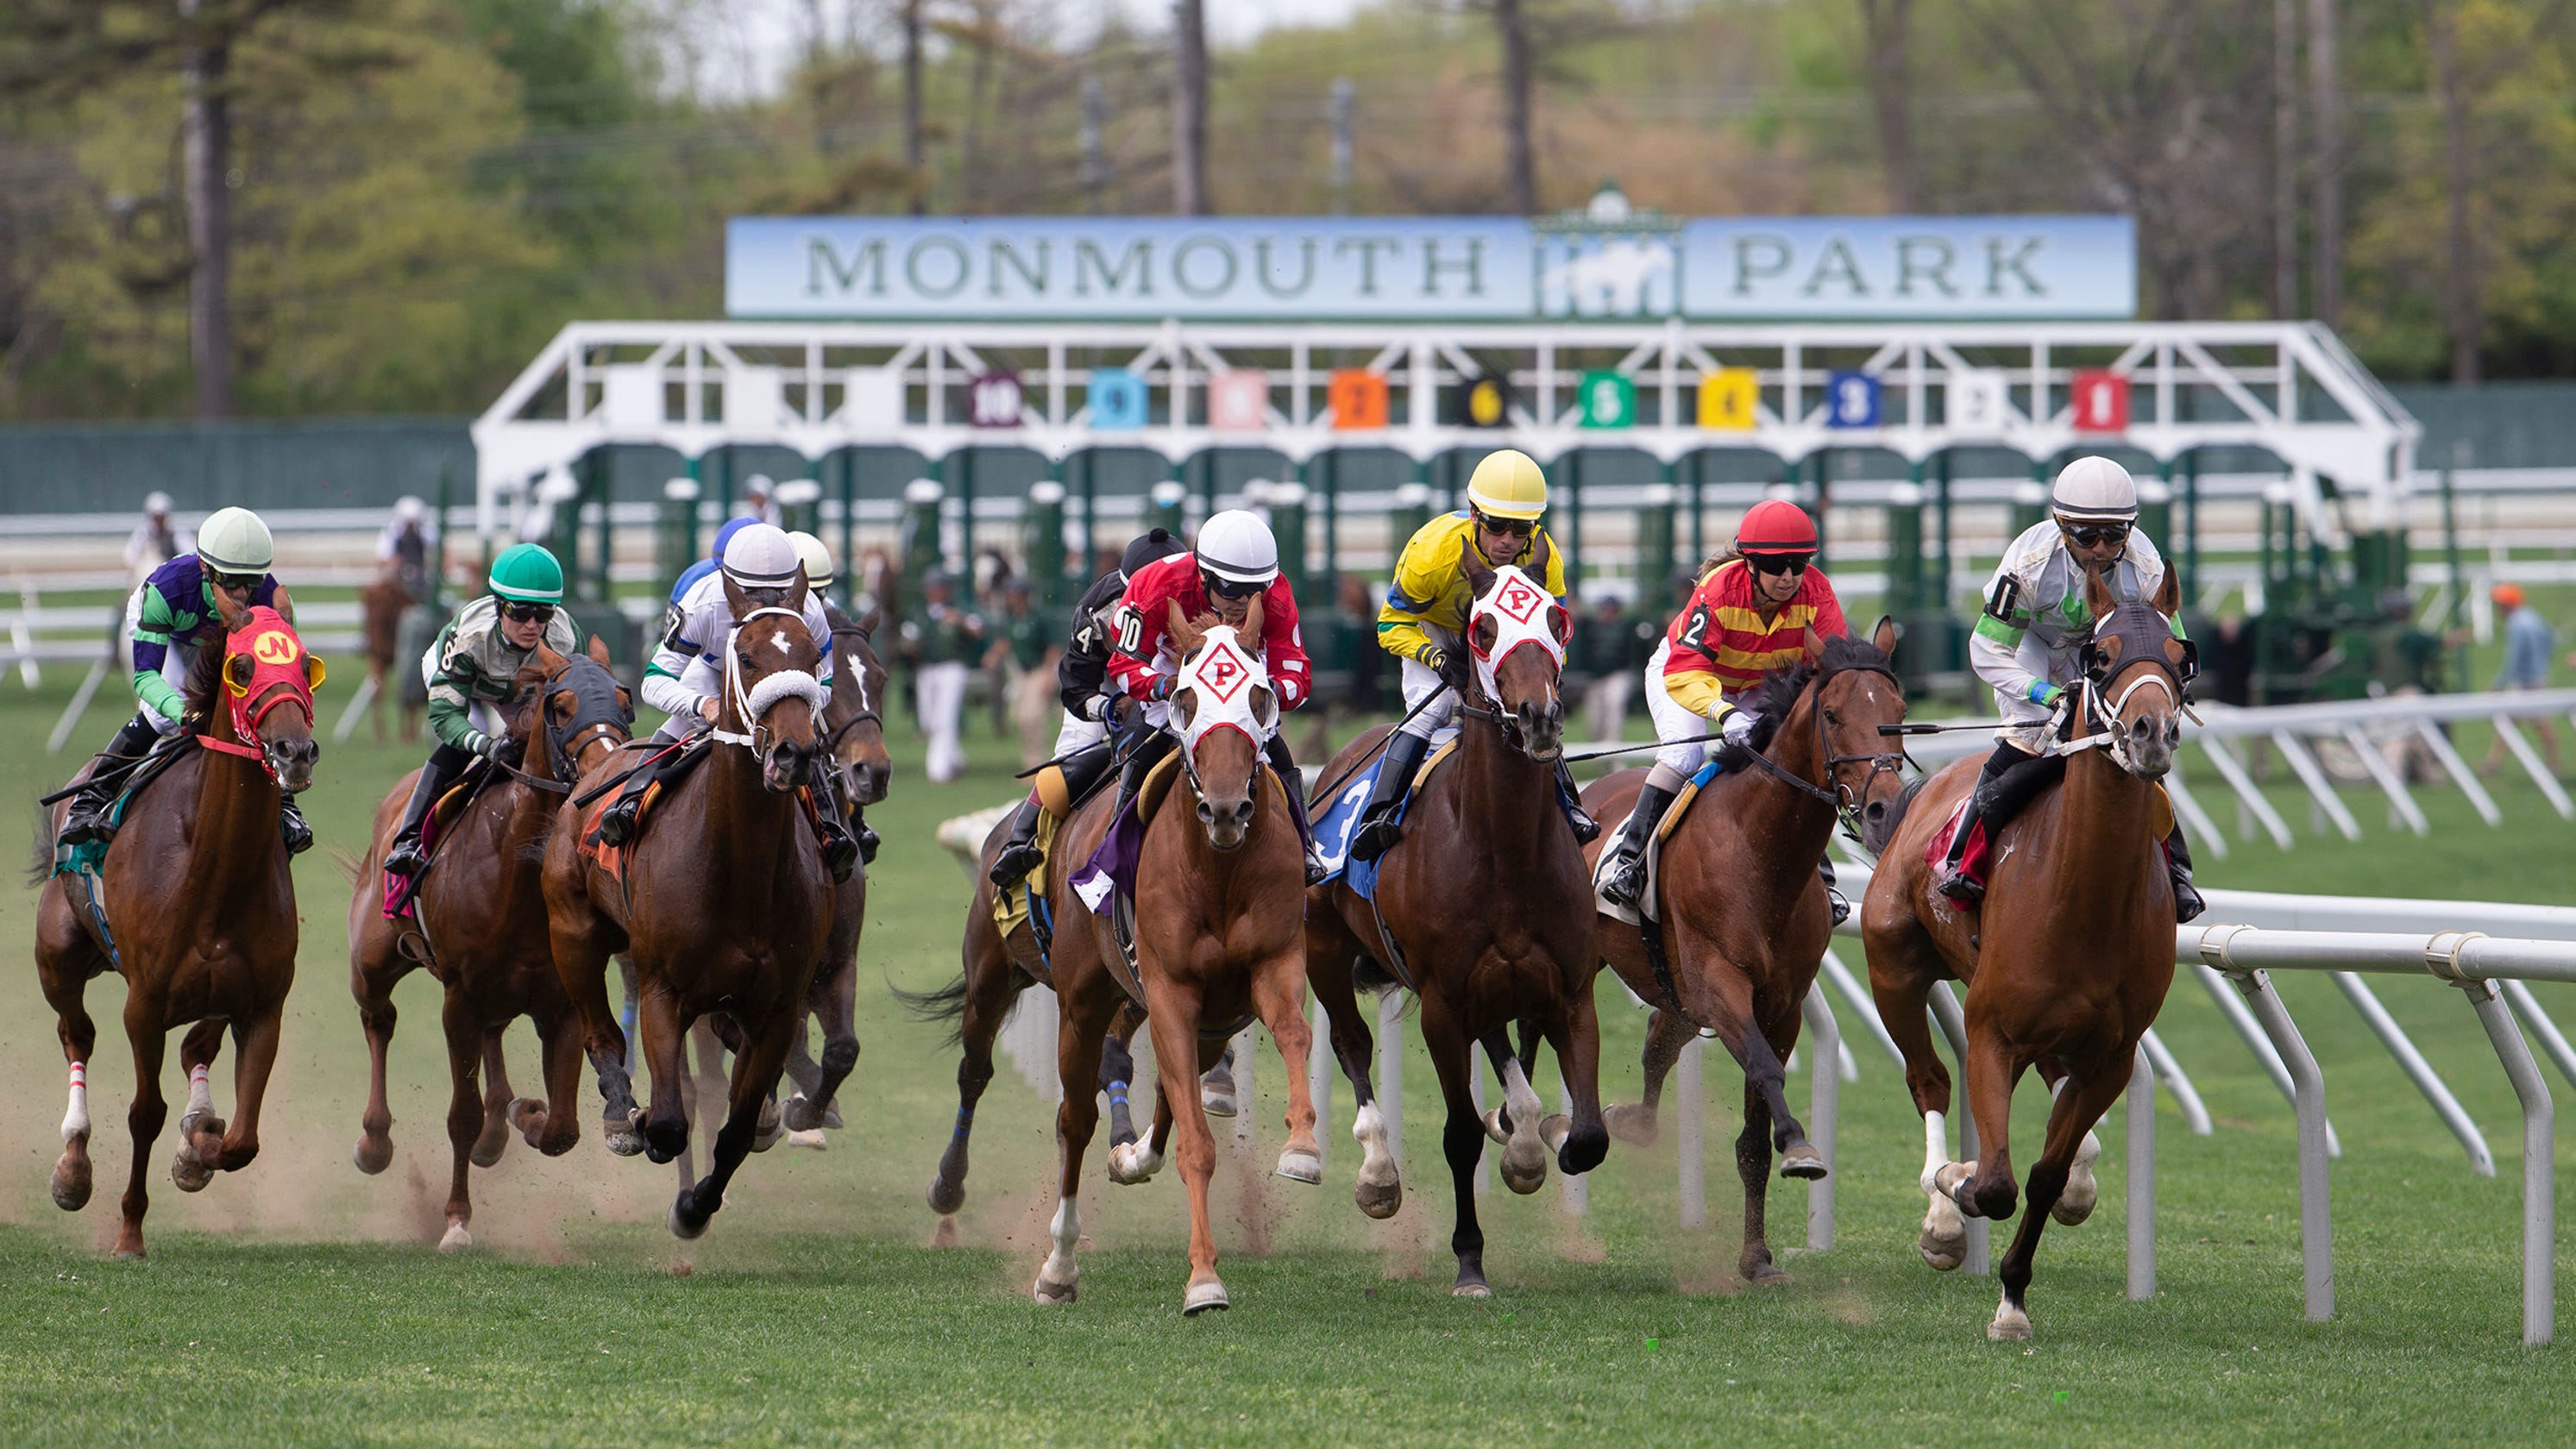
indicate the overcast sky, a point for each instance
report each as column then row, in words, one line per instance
column 746, row 45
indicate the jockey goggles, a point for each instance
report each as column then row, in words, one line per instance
column 1516, row 527
column 1779, row 563
column 528, row 613
column 2090, row 534
column 237, row 583
column 1229, row 588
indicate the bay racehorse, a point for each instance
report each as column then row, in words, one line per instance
column 195, row 906
column 854, row 742
column 1744, row 919
column 478, row 922
column 1485, row 904
column 722, row 902
column 2067, row 960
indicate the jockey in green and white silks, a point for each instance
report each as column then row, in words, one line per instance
column 2029, row 642
column 476, row 659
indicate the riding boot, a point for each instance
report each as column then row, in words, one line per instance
column 291, row 825
column 2187, row 902
column 86, row 820
column 404, row 856
column 840, row 852
column 1148, row 753
column 1293, row 781
column 1833, row 896
column 617, row 822
column 1378, row 829
column 868, row 838
column 1952, row 882
column 1586, row 829
column 1624, row 883
column 1019, row 854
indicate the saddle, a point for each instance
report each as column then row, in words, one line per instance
column 1106, row 883
column 402, row 892
column 1340, row 817
column 1978, row 858
column 673, row 763
column 1653, row 860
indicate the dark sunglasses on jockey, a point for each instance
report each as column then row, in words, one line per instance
column 528, row 613
column 238, row 583
column 1779, row 563
column 1516, row 527
column 1228, row 588
column 2089, row 534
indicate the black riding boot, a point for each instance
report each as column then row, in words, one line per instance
column 1586, row 829
column 840, row 852
column 1952, row 883
column 86, row 820
column 1625, row 882
column 2187, row 902
column 1148, row 753
column 2010, row 780
column 1019, row 854
column 1378, row 829
column 291, row 825
column 1293, row 780
column 1833, row 896
column 617, row 822
column 404, row 857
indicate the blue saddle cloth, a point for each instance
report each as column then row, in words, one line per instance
column 1341, row 818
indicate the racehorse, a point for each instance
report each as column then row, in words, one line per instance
column 195, row 906
column 723, row 903
column 1486, row 910
column 1744, row 920
column 478, row 922
column 1211, row 899
column 381, row 607
column 2070, row 962
column 854, row 739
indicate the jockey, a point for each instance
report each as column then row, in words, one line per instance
column 1091, row 707
column 1748, row 616
column 477, row 658
column 1505, row 498
column 168, row 619
column 685, row 679
column 2029, row 642
column 1235, row 562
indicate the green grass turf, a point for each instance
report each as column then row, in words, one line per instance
column 300, row 1301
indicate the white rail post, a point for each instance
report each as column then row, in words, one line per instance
column 2418, row 1070
column 2233, row 772
column 2552, row 1040
column 2316, row 1210
column 2542, row 777
column 79, row 706
column 2142, row 1179
column 1319, row 1076
column 2313, row 775
column 2459, row 771
column 2258, row 1041
column 1954, row 1025
column 1863, row 1004
column 2401, row 801
column 1690, row 1149
column 1390, row 1070
column 1824, row 1111
column 2539, row 1157
column 350, row 717
column 2187, row 808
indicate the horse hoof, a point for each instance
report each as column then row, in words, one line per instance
column 1050, row 1291
column 1631, row 1122
column 1553, row 1129
column 457, row 1239
column 71, row 1187
column 623, row 1137
column 811, row 1140
column 946, row 1197
column 1764, row 1274
column 1202, row 1297
column 1495, row 1132
column 190, row 1171
column 1128, row 1164
column 373, row 1154
column 1525, row 1175
column 944, row 1234
column 2071, row 1209
column 684, row 1226
column 1299, row 1166
column 1947, row 1177
column 1217, row 1101
column 831, row 1117
column 124, row 1254
column 529, row 1116
column 1943, row 1252
column 1803, row 1162
column 1471, row 1288
column 488, row 1148
column 2011, row 1325
column 800, row 1114
column 1379, row 1199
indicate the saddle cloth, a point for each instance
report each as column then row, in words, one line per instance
column 1671, row 821
column 1341, row 818
column 1978, row 859
column 1110, row 873
column 401, row 898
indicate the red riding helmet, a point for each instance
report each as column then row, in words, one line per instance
column 1776, row 525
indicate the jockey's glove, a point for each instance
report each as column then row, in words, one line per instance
column 1737, row 727
column 1434, row 658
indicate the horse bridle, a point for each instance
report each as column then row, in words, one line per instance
column 591, row 690
column 832, row 737
column 776, row 687
column 2091, row 700
column 1835, row 795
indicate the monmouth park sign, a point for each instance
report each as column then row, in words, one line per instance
column 1450, row 268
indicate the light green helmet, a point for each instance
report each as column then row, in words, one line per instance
column 817, row 558
column 526, row 574
column 236, row 542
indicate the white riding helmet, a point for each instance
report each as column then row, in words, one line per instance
column 408, row 509
column 761, row 557
column 2095, row 489
column 156, row 503
column 816, row 556
column 1238, row 547
column 236, row 542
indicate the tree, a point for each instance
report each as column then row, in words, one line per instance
column 913, row 156
column 1889, row 62
column 1520, row 155
column 1189, row 108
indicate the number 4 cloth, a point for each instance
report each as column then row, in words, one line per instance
column 1721, row 645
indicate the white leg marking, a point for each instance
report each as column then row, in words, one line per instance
column 76, row 1117
column 1944, row 1243
column 1377, row 1159
column 1056, row 1276
column 2010, row 1322
column 201, row 1097
column 1936, row 1147
column 1134, row 1162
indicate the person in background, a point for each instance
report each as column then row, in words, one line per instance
column 154, row 542
column 409, row 546
column 941, row 646
column 1604, row 643
column 759, row 500
column 2528, row 644
column 1023, row 654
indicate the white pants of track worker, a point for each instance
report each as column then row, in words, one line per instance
column 941, row 690
column 1674, row 723
column 1420, row 684
column 1605, row 705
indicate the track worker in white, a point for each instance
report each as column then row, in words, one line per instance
column 2029, row 647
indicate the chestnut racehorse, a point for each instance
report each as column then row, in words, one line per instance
column 2077, row 944
column 1486, row 901
column 1743, row 918
column 199, row 907
column 724, row 904
column 479, row 924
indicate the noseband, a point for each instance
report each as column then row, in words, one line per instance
column 754, row 705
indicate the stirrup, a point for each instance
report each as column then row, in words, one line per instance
column 1316, row 874
column 840, row 856
column 1376, row 835
column 298, row 834
column 404, row 859
column 87, row 824
column 1958, row 886
column 1626, row 886
column 868, row 840
column 2188, row 903
column 1841, row 905
column 1586, row 829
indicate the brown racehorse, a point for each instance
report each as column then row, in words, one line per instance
column 1743, row 915
column 724, row 906
column 381, row 607
column 2077, row 944
column 1219, row 905
column 479, row 925
column 200, row 906
column 854, row 735
column 1487, row 902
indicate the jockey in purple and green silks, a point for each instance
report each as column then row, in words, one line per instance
column 168, row 619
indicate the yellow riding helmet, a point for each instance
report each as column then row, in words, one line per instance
column 1508, row 484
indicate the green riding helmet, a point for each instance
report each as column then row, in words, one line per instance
column 526, row 573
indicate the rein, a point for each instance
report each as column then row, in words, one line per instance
column 1834, row 795
column 756, row 704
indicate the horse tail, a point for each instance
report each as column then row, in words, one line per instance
column 40, row 862
column 948, row 1004
column 1368, row 975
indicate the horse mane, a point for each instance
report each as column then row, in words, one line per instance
column 205, row 680
column 1772, row 699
